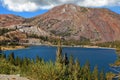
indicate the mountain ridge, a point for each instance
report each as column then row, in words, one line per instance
column 79, row 23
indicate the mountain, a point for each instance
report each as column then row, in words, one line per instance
column 71, row 22
column 74, row 22
column 8, row 20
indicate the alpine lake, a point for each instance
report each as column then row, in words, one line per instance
column 100, row 57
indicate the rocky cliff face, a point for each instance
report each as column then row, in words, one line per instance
column 73, row 22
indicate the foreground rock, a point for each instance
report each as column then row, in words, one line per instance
column 12, row 77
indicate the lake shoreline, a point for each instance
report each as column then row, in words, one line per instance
column 4, row 48
column 76, row 46
column 82, row 46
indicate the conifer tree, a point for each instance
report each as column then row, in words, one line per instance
column 71, row 61
column 110, row 76
column 95, row 73
column 59, row 63
column 102, row 75
column 65, row 59
column 25, row 64
column 77, row 70
column 89, row 77
column 86, row 70
column 71, row 67
column 3, row 56
column 87, row 66
column 26, row 61
column 17, row 61
column 11, row 58
column 59, row 52
column 38, row 59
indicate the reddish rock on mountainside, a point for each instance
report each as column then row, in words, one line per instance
column 74, row 22
column 9, row 20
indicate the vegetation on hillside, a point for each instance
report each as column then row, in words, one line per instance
column 6, row 42
column 5, row 30
column 82, row 41
column 113, row 44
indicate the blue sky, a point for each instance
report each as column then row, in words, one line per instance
column 23, row 14
column 115, row 9
column 31, row 8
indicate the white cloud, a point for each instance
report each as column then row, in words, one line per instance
column 33, row 5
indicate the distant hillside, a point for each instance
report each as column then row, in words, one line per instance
column 10, row 20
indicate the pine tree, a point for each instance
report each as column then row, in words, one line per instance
column 71, row 61
column 11, row 58
column 86, row 70
column 95, row 73
column 65, row 60
column 25, row 64
column 110, row 76
column 3, row 56
column 89, row 77
column 25, row 61
column 71, row 67
column 59, row 52
column 87, row 66
column 38, row 59
column 102, row 75
column 77, row 70
column 59, row 63
column 17, row 61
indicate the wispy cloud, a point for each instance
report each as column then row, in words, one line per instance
column 33, row 5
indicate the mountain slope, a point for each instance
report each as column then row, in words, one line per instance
column 8, row 20
column 79, row 23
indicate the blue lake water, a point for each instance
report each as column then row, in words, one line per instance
column 100, row 57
